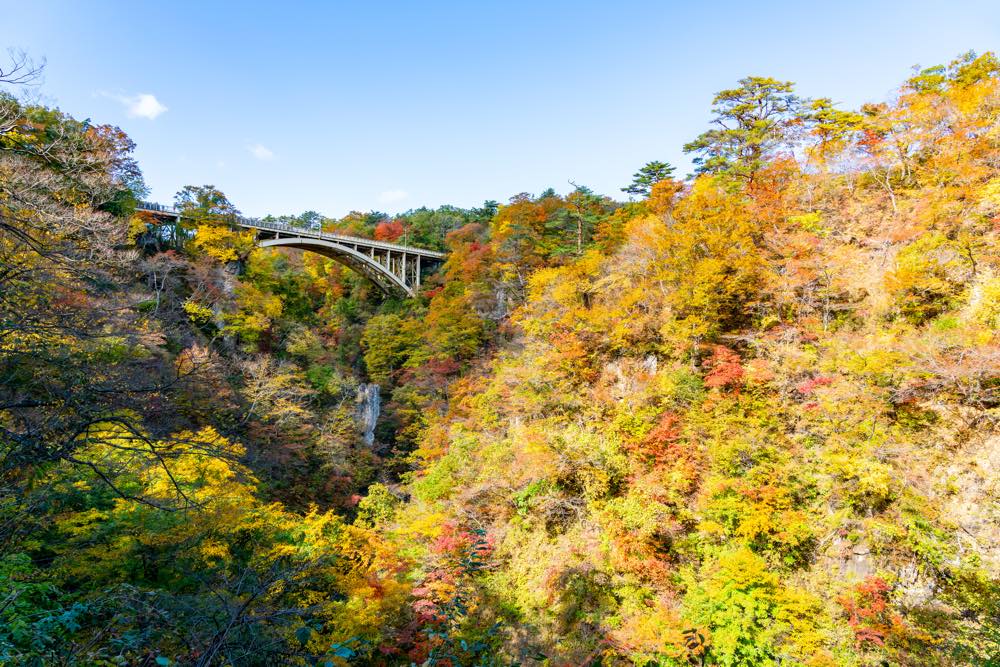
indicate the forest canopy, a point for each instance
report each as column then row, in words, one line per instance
column 747, row 417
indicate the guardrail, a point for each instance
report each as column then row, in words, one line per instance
column 341, row 238
column 159, row 208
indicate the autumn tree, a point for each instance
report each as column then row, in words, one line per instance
column 387, row 343
column 692, row 429
column 834, row 128
column 389, row 231
column 63, row 264
column 208, row 212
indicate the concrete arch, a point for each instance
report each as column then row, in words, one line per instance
column 349, row 257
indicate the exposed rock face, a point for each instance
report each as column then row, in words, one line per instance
column 369, row 403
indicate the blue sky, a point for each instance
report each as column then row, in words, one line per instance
column 390, row 105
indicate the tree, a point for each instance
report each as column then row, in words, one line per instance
column 387, row 346
column 570, row 228
column 644, row 179
column 59, row 258
column 205, row 204
column 22, row 70
column 485, row 212
column 833, row 127
column 754, row 120
column 389, row 231
column 209, row 212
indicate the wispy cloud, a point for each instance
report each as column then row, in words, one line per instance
column 261, row 152
column 143, row 105
column 393, row 196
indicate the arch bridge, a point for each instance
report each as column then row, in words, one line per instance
column 396, row 269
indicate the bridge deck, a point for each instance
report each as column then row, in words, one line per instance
column 301, row 232
column 337, row 238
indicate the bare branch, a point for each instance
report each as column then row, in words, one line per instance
column 22, row 70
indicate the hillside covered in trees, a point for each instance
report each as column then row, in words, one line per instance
column 746, row 417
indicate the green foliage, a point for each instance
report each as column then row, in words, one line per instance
column 650, row 174
column 387, row 344
column 736, row 600
column 378, row 507
column 36, row 618
column 439, row 482
column 754, row 121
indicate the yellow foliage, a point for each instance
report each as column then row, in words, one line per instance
column 927, row 277
column 425, row 525
column 199, row 314
column 223, row 243
column 985, row 303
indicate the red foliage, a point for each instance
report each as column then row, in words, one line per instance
column 69, row 298
column 673, row 462
column 725, row 369
column 869, row 614
column 432, row 376
column 442, row 367
column 870, row 140
column 647, row 559
column 437, row 600
column 465, row 234
column 808, row 386
column 451, row 540
column 388, row 231
column 659, row 445
column 426, row 610
column 460, row 542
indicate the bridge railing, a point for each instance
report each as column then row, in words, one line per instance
column 153, row 206
column 340, row 238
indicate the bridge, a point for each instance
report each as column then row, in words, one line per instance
column 396, row 269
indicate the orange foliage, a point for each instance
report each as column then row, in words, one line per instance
column 388, row 231
column 772, row 189
column 725, row 370
column 663, row 196
column 660, row 445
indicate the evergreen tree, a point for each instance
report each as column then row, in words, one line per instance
column 651, row 172
column 753, row 121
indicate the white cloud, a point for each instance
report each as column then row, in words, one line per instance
column 261, row 152
column 393, row 196
column 143, row 105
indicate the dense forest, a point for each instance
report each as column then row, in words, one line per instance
column 747, row 416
